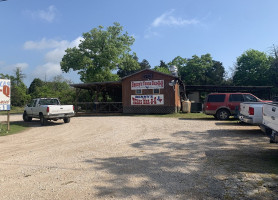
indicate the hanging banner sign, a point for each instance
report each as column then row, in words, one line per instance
column 5, row 94
column 147, row 99
column 150, row 84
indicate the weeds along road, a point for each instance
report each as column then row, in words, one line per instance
column 119, row 157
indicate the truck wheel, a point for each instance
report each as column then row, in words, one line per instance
column 223, row 114
column 26, row 118
column 67, row 120
column 43, row 121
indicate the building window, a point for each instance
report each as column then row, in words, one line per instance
column 156, row 91
column 138, row 91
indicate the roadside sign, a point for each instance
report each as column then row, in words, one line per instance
column 5, row 94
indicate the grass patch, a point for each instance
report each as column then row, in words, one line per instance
column 180, row 115
column 14, row 110
column 173, row 115
column 15, row 127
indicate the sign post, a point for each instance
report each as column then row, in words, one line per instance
column 5, row 98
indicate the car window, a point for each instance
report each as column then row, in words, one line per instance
column 250, row 98
column 34, row 103
column 216, row 98
column 236, row 98
column 49, row 102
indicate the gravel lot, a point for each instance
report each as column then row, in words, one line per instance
column 138, row 158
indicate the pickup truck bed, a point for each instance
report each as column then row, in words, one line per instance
column 251, row 112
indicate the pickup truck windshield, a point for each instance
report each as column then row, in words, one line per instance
column 49, row 102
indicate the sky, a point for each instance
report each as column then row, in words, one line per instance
column 35, row 33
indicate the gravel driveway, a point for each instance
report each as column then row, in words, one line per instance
column 119, row 157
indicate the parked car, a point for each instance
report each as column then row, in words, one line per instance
column 47, row 109
column 223, row 105
column 270, row 121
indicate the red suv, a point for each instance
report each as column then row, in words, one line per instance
column 223, row 105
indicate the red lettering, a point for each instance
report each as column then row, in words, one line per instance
column 6, row 90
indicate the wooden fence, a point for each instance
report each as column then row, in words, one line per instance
column 98, row 107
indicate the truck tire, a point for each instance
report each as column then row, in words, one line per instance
column 67, row 119
column 43, row 121
column 26, row 118
column 223, row 114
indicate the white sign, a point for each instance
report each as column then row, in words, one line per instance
column 150, row 84
column 5, row 94
column 147, row 99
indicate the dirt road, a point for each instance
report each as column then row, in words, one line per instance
column 138, row 158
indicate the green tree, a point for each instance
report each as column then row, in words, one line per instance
column 199, row 70
column 252, row 68
column 273, row 70
column 19, row 76
column 34, row 87
column 163, row 67
column 19, row 96
column 180, row 63
column 129, row 65
column 215, row 73
column 58, row 87
column 145, row 64
column 99, row 54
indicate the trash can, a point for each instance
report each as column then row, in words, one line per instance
column 186, row 106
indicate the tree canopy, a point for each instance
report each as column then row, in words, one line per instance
column 199, row 70
column 99, row 54
column 252, row 68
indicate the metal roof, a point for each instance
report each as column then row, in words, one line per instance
column 150, row 71
column 225, row 88
column 95, row 84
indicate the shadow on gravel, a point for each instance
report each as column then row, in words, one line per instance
column 198, row 119
column 36, row 123
column 168, row 173
column 193, row 165
column 210, row 119
column 243, row 134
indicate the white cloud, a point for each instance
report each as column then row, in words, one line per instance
column 47, row 15
column 150, row 33
column 56, row 51
column 22, row 66
column 48, row 70
column 10, row 69
column 44, row 44
column 167, row 19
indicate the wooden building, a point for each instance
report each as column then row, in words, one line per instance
column 149, row 91
column 144, row 92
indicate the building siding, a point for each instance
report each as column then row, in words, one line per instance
column 171, row 94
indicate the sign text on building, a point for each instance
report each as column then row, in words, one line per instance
column 149, row 84
column 147, row 99
column 5, row 94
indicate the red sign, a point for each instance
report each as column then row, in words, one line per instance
column 150, row 84
column 147, row 99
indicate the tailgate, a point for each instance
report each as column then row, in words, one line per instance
column 244, row 109
column 60, row 109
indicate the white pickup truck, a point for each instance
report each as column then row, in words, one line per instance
column 47, row 109
column 251, row 112
column 270, row 121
